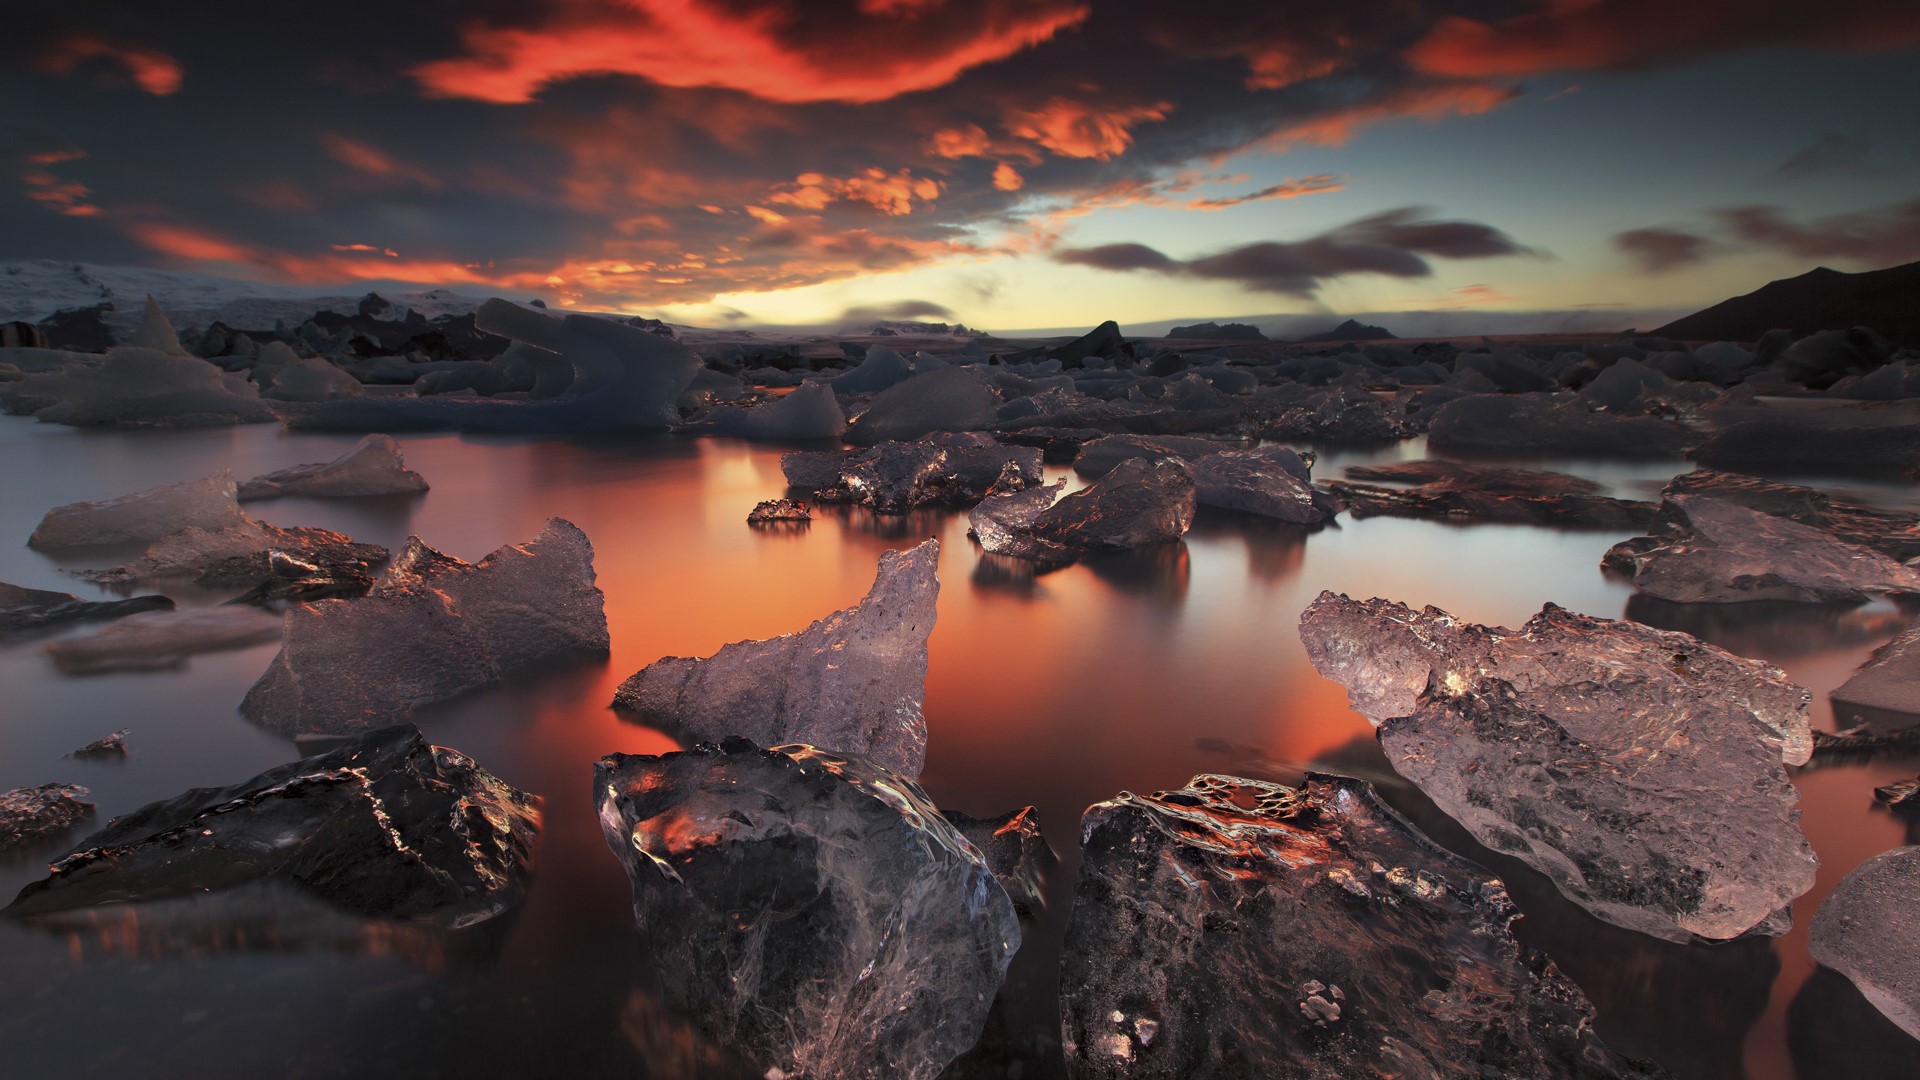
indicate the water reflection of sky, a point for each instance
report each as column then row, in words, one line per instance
column 1127, row 672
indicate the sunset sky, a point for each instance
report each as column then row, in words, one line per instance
column 1010, row 164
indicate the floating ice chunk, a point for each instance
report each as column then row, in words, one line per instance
column 1641, row 770
column 779, row 512
column 374, row 466
column 1098, row 457
column 312, row 379
column 1239, row 928
column 1712, row 551
column 30, row 814
column 164, row 639
column 1138, row 502
column 1889, row 680
column 242, row 556
column 28, row 609
column 851, row 683
column 383, row 826
column 1869, row 930
column 882, row 368
column 433, row 628
column 144, row 516
column 139, row 388
column 1893, row 533
column 814, row 912
column 1269, row 481
column 952, row 400
column 1457, row 491
column 811, row 470
column 156, row 332
column 809, row 412
column 1004, row 524
column 108, row 747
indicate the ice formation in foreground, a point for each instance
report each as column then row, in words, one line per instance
column 1240, row 928
column 1641, row 770
column 374, row 466
column 813, row 912
column 434, row 627
column 1869, row 930
column 385, row 826
column 851, row 683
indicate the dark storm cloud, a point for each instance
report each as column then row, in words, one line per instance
column 900, row 309
column 1390, row 244
column 1659, row 250
column 583, row 148
column 1880, row 237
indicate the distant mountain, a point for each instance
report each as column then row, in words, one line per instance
column 1213, row 331
column 1887, row 301
column 1351, row 330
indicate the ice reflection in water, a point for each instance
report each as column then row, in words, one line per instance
column 1060, row 691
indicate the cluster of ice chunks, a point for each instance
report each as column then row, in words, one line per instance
column 385, row 825
column 1240, row 928
column 851, row 683
column 814, row 912
column 374, row 466
column 433, row 627
column 1714, row 551
column 137, row 387
column 1139, row 502
column 942, row 469
column 1641, row 770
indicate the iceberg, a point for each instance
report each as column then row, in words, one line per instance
column 374, row 466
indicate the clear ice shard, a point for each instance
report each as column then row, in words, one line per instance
column 1714, row 551
column 163, row 639
column 143, row 516
column 385, row 825
column 1014, row 848
column 851, row 683
column 434, row 627
column 374, row 466
column 1236, row 928
column 1138, row 502
column 1004, row 524
column 1869, row 930
column 814, row 912
column 1641, row 770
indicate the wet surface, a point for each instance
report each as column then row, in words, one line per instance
column 1132, row 671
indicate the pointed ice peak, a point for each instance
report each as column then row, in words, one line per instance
column 156, row 332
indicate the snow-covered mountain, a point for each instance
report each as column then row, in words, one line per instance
column 33, row 290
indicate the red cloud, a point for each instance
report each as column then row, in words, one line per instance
column 1571, row 34
column 889, row 193
column 1430, row 103
column 781, row 51
column 1077, row 129
column 1007, row 178
column 151, row 70
column 69, row 198
column 377, row 163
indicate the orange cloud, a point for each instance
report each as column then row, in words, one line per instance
column 387, row 251
column 1429, row 103
column 1007, row 178
column 765, row 50
column 1077, row 129
column 1318, row 184
column 151, row 70
column 1572, row 34
column 889, row 193
column 375, row 162
column 1280, row 65
column 69, row 198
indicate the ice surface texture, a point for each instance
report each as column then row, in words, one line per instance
column 432, row 628
column 1270, row 482
column 1236, row 928
column 1869, row 930
column 1014, row 848
column 1458, row 491
column 29, row 814
column 811, row 911
column 1889, row 680
column 144, row 516
column 590, row 374
column 1140, row 501
column 851, row 683
column 1714, row 551
column 1641, row 770
column 385, row 825
column 374, row 466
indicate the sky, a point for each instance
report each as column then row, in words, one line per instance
column 1003, row 163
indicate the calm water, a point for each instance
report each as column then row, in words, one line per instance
column 1128, row 673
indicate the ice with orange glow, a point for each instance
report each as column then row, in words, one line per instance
column 1241, row 928
column 813, row 912
column 853, row 682
column 1641, row 770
